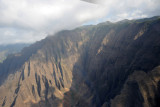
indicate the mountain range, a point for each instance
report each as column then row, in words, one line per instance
column 103, row 65
column 5, row 50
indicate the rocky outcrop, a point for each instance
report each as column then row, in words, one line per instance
column 140, row 89
column 109, row 64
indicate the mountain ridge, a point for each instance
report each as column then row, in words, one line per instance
column 7, row 49
column 87, row 66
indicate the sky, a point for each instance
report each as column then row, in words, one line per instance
column 27, row 21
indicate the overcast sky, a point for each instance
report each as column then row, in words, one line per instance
column 31, row 20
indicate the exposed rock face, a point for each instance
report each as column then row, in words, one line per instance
column 110, row 64
column 140, row 89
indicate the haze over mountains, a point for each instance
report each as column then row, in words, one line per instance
column 104, row 65
column 27, row 21
column 5, row 50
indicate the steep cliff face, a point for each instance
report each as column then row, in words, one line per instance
column 42, row 72
column 140, row 89
column 110, row 64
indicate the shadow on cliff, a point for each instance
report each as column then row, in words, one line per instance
column 96, row 87
column 120, row 58
column 15, row 61
column 53, row 101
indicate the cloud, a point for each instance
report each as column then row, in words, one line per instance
column 31, row 20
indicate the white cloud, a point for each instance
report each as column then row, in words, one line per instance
column 31, row 20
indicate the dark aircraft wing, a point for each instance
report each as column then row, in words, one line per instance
column 91, row 1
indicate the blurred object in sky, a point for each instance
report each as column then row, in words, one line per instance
column 94, row 1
